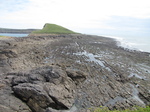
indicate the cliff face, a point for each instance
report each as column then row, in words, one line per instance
column 24, row 31
column 55, row 73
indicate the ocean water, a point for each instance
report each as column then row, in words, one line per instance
column 134, row 43
column 13, row 34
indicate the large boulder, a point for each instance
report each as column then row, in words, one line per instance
column 34, row 95
column 45, row 87
column 10, row 103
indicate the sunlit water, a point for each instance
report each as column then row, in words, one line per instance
column 134, row 43
column 13, row 34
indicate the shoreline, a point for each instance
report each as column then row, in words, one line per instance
column 74, row 70
column 5, row 37
column 123, row 42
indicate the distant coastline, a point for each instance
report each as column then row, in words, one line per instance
column 20, row 31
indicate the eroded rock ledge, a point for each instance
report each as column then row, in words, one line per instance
column 71, row 73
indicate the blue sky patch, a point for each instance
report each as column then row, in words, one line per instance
column 12, row 5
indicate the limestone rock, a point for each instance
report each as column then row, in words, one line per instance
column 67, row 72
column 10, row 103
column 76, row 76
column 45, row 87
column 62, row 95
column 36, row 98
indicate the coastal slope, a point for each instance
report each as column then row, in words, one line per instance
column 53, row 29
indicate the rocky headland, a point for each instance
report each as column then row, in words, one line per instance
column 71, row 73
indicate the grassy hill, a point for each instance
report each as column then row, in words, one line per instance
column 53, row 29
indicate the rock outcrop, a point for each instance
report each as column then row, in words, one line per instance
column 45, row 87
column 71, row 73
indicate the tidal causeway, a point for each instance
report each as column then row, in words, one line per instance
column 71, row 73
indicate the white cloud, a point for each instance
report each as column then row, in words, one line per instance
column 75, row 14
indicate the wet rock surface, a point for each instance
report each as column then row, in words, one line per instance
column 71, row 73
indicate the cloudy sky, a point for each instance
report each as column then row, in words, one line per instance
column 102, row 17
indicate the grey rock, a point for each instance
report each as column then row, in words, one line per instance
column 36, row 98
column 63, row 95
column 50, row 74
column 76, row 76
column 52, row 110
column 55, row 72
column 10, row 103
column 56, row 92
column 19, row 78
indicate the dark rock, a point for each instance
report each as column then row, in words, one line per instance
column 144, row 94
column 51, row 74
column 34, row 95
column 9, row 53
column 76, row 76
column 10, row 103
column 57, row 92
column 26, row 78
column 41, row 96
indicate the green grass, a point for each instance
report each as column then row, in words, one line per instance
column 1, row 36
column 135, row 109
column 53, row 29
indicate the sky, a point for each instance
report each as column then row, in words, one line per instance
column 100, row 17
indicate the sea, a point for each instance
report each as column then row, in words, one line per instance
column 133, row 43
column 13, row 34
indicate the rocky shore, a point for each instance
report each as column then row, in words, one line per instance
column 71, row 73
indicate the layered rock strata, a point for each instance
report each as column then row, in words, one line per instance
column 71, row 73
